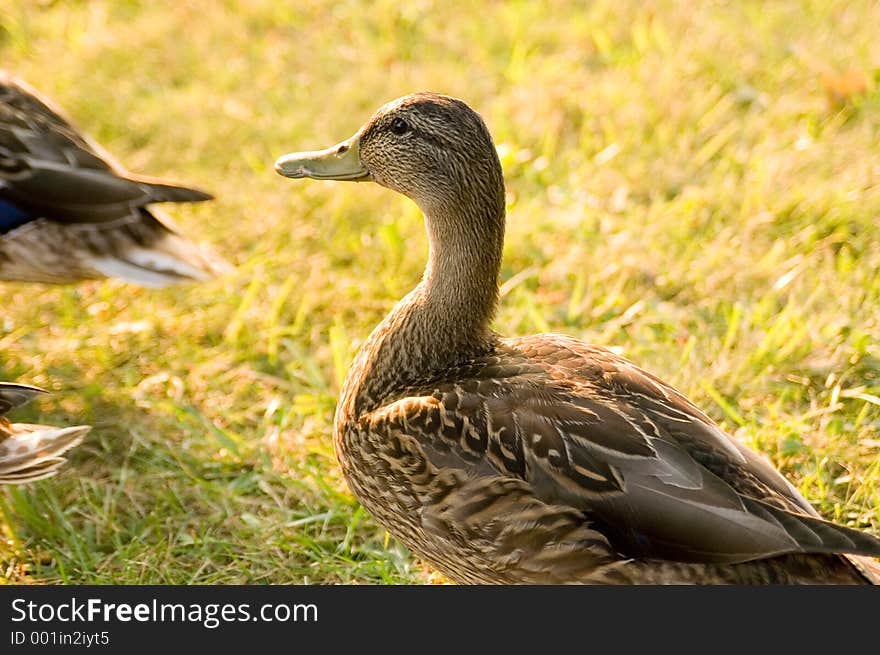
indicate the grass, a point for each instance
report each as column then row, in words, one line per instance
column 696, row 184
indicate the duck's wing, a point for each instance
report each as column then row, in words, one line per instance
column 597, row 374
column 50, row 169
column 588, row 430
column 31, row 452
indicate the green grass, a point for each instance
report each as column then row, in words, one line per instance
column 696, row 184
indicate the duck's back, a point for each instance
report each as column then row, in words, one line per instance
column 548, row 461
column 69, row 211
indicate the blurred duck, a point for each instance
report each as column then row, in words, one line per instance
column 70, row 212
column 540, row 459
column 31, row 452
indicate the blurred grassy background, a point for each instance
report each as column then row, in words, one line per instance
column 697, row 184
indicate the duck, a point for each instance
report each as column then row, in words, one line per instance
column 69, row 212
column 31, row 452
column 539, row 459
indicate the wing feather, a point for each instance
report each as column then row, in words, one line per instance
column 50, row 169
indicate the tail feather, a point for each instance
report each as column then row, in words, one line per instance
column 170, row 259
column 815, row 535
column 34, row 452
column 41, row 471
column 146, row 275
column 868, row 568
column 31, row 452
column 162, row 191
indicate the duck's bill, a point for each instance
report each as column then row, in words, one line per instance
column 339, row 162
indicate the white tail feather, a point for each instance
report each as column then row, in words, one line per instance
column 112, row 267
column 170, row 260
column 162, row 261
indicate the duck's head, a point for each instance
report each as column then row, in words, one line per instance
column 430, row 147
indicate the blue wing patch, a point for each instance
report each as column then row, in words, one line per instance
column 12, row 217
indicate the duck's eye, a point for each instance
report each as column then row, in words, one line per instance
column 399, row 126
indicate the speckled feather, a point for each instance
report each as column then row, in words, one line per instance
column 568, row 463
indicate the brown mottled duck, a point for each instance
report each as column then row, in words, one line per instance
column 31, row 452
column 539, row 459
column 70, row 212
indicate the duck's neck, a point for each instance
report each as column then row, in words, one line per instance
column 457, row 296
column 445, row 320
